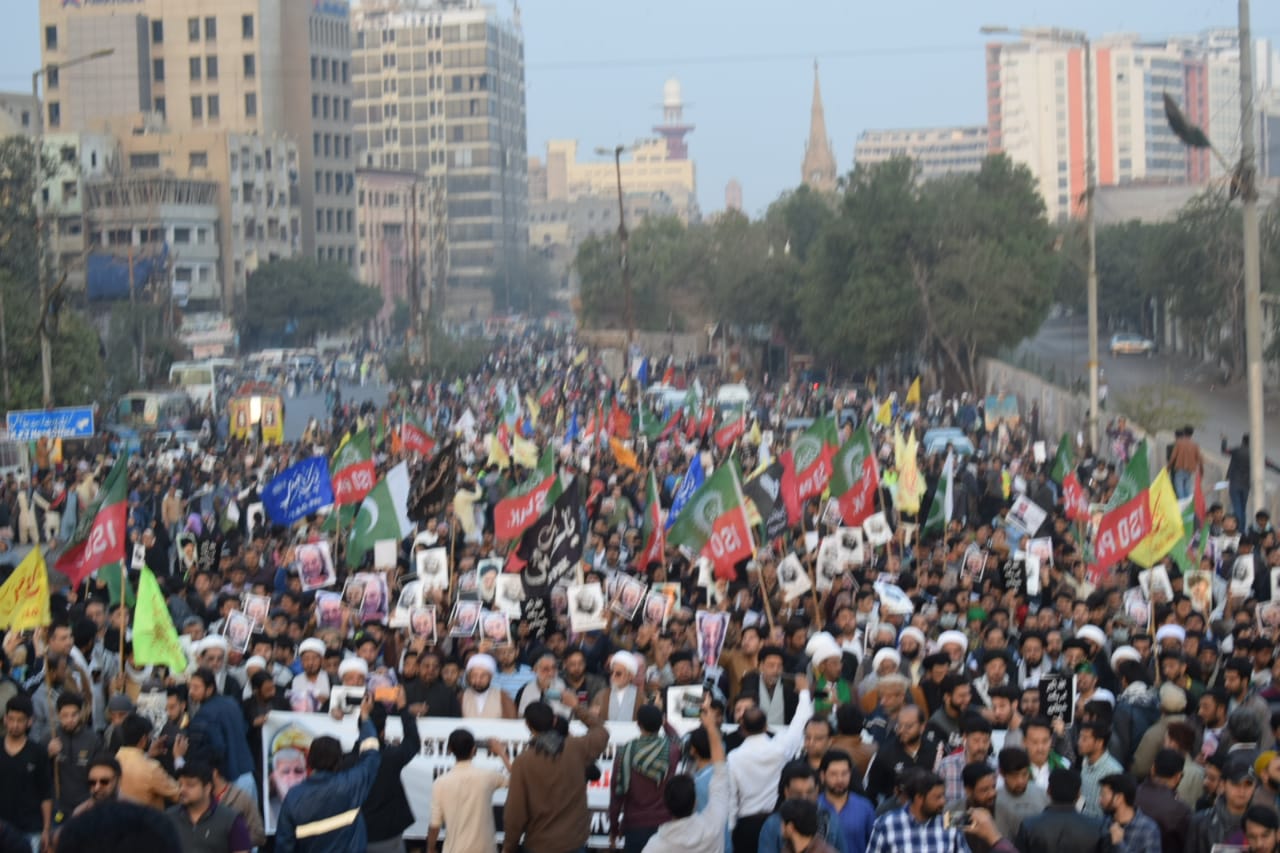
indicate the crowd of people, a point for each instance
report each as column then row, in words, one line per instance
column 935, row 689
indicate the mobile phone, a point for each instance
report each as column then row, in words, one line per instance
column 552, row 695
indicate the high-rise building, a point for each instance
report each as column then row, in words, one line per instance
column 937, row 151
column 279, row 69
column 440, row 91
column 647, row 170
column 1036, row 102
column 733, row 195
column 819, row 167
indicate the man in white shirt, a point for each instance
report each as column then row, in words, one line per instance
column 755, row 766
column 462, row 799
column 703, row 832
column 310, row 688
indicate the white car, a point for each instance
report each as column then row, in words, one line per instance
column 1130, row 343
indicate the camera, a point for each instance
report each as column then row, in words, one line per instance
column 346, row 699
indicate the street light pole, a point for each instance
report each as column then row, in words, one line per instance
column 1075, row 37
column 622, row 240
column 46, row 347
column 1247, row 178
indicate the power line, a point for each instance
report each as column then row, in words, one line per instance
column 751, row 58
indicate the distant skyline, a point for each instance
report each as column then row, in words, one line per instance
column 595, row 70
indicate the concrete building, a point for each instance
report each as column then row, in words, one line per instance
column 733, row 195
column 1036, row 102
column 440, row 91
column 276, row 68
column 647, row 171
column 937, row 151
column 819, row 167
column 394, row 216
column 78, row 158
column 19, row 114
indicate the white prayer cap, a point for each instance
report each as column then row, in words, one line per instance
column 483, row 661
column 913, row 632
column 947, row 638
column 1104, row 695
column 1171, row 632
column 213, row 641
column 311, row 644
column 1124, row 653
column 822, row 647
column 256, row 661
column 885, row 655
column 1093, row 634
column 353, row 665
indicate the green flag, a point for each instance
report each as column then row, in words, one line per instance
column 1064, row 461
column 114, row 577
column 943, row 498
column 384, row 514
column 714, row 521
column 1181, row 553
column 155, row 640
column 1134, row 479
column 352, row 469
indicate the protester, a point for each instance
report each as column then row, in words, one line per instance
column 201, row 822
column 462, row 799
column 1061, row 826
column 641, row 771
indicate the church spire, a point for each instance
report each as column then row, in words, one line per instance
column 819, row 167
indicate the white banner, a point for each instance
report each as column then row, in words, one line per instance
column 286, row 737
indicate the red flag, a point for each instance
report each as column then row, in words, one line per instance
column 1120, row 531
column 619, row 423
column 1198, row 499
column 353, row 470
column 415, row 436
column 708, row 418
column 669, row 376
column 730, row 432
column 548, row 395
column 1073, row 497
column 504, row 437
column 99, row 537
column 515, row 513
column 806, row 466
column 655, row 543
column 859, row 503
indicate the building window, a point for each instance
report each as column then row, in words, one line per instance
column 210, row 29
column 197, row 107
column 246, row 26
column 157, row 32
column 198, row 159
column 51, row 78
column 193, row 65
column 51, row 38
column 250, row 66
column 251, row 104
column 159, row 106
column 193, row 29
column 157, row 70
column 324, row 70
column 213, row 106
column 55, row 114
column 211, row 67
column 315, row 106
column 315, row 68
column 148, row 160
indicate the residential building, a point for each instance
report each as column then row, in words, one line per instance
column 937, row 151
column 19, row 114
column 76, row 158
column 733, row 195
column 819, row 167
column 647, row 170
column 394, row 233
column 440, row 91
column 278, row 69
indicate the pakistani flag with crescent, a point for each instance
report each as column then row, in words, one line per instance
column 383, row 514
column 714, row 522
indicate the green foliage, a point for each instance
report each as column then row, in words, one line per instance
column 129, row 328
column 76, row 362
column 291, row 301
column 449, row 357
column 1162, row 407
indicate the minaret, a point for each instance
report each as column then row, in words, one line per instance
column 819, row 167
column 673, row 128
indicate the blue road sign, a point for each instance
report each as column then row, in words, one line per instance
column 68, row 422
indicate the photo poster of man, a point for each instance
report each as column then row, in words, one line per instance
column 586, row 608
column 329, row 609
column 712, row 628
column 830, row 563
column 495, row 626
column 239, row 631
column 793, row 578
column 376, row 604
column 1155, row 582
column 465, row 618
column 411, row 596
column 975, row 563
column 422, row 623
column 655, row 609
column 628, row 595
column 432, row 566
column 1199, row 587
column 315, row 565
column 257, row 608
column 509, row 597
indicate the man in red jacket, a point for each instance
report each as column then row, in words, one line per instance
column 641, row 770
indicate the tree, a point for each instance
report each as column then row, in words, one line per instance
column 76, row 363
column 293, row 300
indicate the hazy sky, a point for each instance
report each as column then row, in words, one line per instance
column 595, row 68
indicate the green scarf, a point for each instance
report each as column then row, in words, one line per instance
column 648, row 755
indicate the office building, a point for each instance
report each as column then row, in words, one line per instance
column 647, row 170
column 440, row 91
column 937, row 151
column 278, row 69
column 394, row 214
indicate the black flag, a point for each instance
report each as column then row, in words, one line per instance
column 764, row 490
column 552, row 547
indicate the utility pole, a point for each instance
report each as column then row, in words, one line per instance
column 1091, row 231
column 1246, row 177
column 628, row 317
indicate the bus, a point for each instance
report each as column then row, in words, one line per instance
column 147, row 411
column 199, row 379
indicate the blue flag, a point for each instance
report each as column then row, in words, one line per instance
column 572, row 432
column 642, row 375
column 298, row 491
column 690, row 483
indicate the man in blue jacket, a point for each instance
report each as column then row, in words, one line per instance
column 218, row 725
column 322, row 813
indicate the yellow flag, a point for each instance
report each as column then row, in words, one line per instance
column 581, row 358
column 532, row 405
column 884, row 416
column 524, row 452
column 755, row 436
column 1166, row 522
column 623, row 456
column 910, row 484
column 913, row 393
column 24, row 598
column 560, row 417
column 497, row 455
